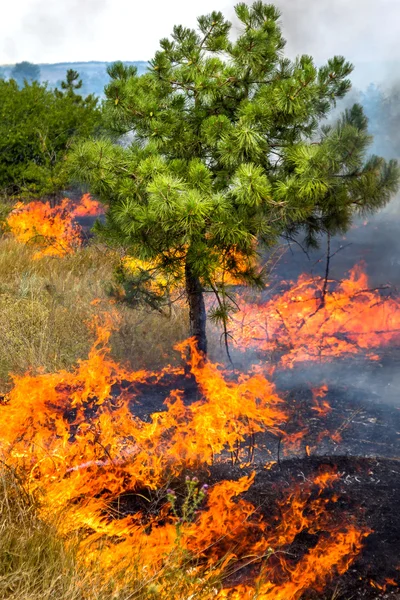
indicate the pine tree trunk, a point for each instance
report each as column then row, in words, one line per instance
column 197, row 309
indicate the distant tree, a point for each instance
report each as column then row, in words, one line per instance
column 37, row 128
column 72, row 83
column 228, row 153
column 25, row 71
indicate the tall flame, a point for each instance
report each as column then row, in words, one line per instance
column 51, row 230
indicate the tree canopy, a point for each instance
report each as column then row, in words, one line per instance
column 228, row 151
column 71, row 84
column 37, row 127
column 25, row 71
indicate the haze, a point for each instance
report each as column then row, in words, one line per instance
column 45, row 31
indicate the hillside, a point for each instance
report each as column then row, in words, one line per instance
column 93, row 73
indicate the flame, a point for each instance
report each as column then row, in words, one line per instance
column 306, row 324
column 51, row 230
column 153, row 276
column 320, row 405
column 233, row 266
column 88, row 207
column 389, row 582
column 283, row 578
column 74, row 440
column 230, row 269
column 55, row 407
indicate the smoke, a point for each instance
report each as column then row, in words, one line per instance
column 49, row 25
column 364, row 31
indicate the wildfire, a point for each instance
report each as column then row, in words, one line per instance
column 88, row 207
column 231, row 268
column 74, row 440
column 316, row 321
column 51, row 230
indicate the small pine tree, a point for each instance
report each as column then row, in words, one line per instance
column 72, row 82
column 228, row 153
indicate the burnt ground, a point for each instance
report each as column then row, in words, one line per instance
column 367, row 458
column 368, row 490
column 365, row 426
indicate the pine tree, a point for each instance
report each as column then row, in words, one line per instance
column 228, row 151
column 72, row 82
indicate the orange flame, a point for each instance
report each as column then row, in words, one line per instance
column 75, row 441
column 304, row 324
column 320, row 405
column 51, row 230
column 88, row 207
column 285, row 579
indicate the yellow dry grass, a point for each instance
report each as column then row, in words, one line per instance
column 45, row 306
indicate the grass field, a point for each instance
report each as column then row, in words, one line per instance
column 46, row 304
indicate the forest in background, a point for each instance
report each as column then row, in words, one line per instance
column 381, row 100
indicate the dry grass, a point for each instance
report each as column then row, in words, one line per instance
column 45, row 306
column 36, row 564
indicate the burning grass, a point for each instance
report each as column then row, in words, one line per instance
column 112, row 501
column 34, row 561
column 320, row 320
column 52, row 231
column 36, row 564
column 73, row 438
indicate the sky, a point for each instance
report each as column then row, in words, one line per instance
column 48, row 31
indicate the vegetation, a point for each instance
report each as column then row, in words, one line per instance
column 71, row 84
column 35, row 564
column 228, row 153
column 37, row 128
column 25, row 71
column 45, row 306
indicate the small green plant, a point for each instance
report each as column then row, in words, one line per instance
column 194, row 496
